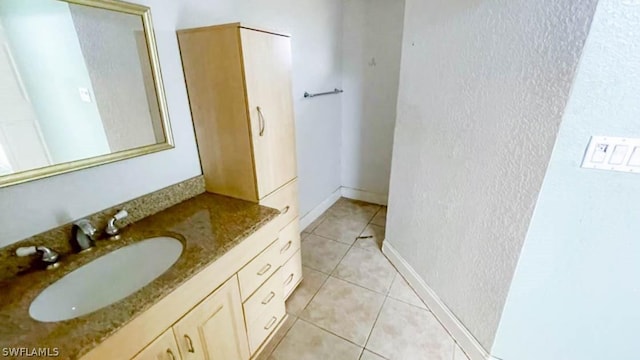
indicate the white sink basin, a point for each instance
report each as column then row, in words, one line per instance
column 107, row 279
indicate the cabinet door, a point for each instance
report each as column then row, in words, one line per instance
column 267, row 65
column 215, row 328
column 162, row 348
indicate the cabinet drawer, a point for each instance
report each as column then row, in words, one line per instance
column 259, row 270
column 289, row 240
column 259, row 329
column 258, row 303
column 291, row 274
column 284, row 199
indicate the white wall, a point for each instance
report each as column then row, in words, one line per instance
column 372, row 41
column 483, row 85
column 44, row 44
column 576, row 290
column 33, row 207
column 316, row 30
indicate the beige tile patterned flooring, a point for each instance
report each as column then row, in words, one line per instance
column 352, row 303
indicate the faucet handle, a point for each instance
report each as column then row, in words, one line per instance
column 121, row 215
column 26, row 251
column 49, row 256
column 112, row 229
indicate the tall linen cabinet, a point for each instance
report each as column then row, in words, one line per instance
column 239, row 84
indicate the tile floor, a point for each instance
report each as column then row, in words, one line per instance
column 352, row 303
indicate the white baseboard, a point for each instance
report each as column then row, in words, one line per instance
column 461, row 335
column 315, row 213
column 362, row 195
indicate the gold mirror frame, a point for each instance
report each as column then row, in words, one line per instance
column 52, row 170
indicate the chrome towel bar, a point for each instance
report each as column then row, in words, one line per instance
column 335, row 91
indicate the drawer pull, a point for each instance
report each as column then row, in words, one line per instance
column 189, row 344
column 271, row 323
column 268, row 298
column 170, row 354
column 286, row 247
column 289, row 280
column 285, row 210
column 264, row 270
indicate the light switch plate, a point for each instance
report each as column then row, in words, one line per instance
column 85, row 94
column 613, row 153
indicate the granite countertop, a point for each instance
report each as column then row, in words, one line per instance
column 208, row 225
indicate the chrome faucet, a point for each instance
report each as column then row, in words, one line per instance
column 83, row 233
column 112, row 230
column 49, row 257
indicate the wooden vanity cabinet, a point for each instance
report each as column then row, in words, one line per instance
column 162, row 348
column 215, row 328
column 239, row 84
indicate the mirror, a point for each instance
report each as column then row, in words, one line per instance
column 80, row 86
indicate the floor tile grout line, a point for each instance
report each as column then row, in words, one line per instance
column 358, row 285
column 375, row 353
column 393, row 282
column 375, row 323
column 332, row 333
column 314, row 295
column 412, row 289
column 406, row 303
column 328, row 238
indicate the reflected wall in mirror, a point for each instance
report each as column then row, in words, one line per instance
column 80, row 86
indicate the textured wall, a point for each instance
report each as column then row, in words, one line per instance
column 109, row 44
column 575, row 293
column 316, row 33
column 33, row 207
column 483, row 86
column 371, row 46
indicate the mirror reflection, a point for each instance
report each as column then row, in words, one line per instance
column 76, row 82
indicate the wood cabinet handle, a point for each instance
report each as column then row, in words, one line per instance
column 264, row 270
column 289, row 280
column 170, row 354
column 285, row 210
column 271, row 323
column 261, row 122
column 189, row 344
column 286, row 247
column 268, row 298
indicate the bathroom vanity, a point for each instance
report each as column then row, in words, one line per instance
column 223, row 298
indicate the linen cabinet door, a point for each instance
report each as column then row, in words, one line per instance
column 215, row 328
column 267, row 66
